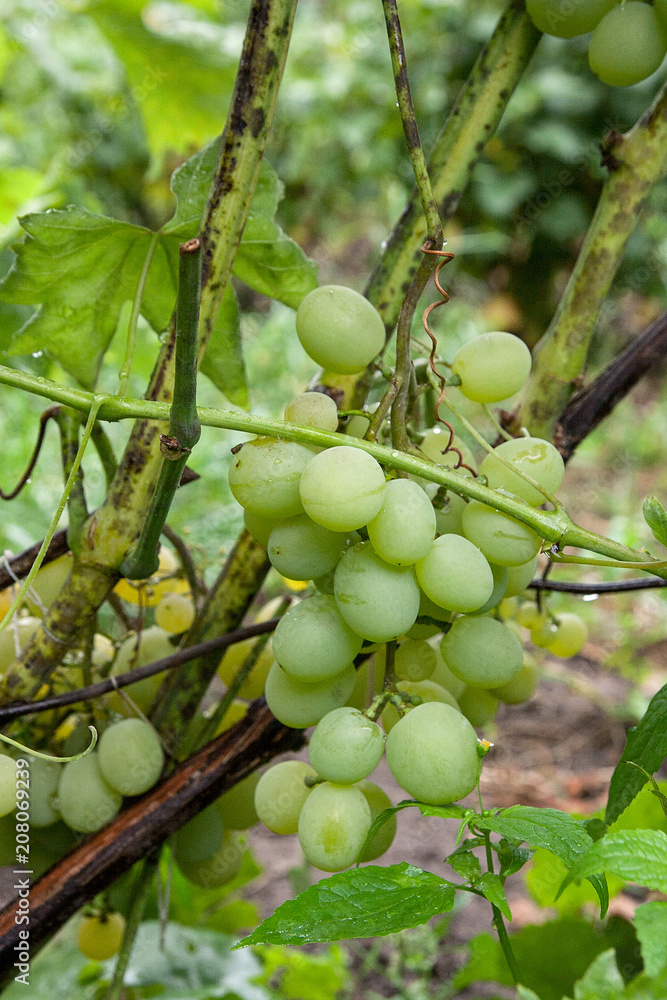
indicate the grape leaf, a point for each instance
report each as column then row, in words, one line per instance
column 465, row 864
column 557, row 831
column 361, row 902
column 492, row 887
column 223, row 360
column 651, row 925
column 655, row 516
column 646, row 745
column 636, row 855
column 602, row 980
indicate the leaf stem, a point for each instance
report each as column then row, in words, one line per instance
column 498, row 921
column 140, row 892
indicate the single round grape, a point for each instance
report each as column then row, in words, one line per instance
column 300, row 549
column 312, row 641
column 199, row 839
column 333, row 825
column 522, row 687
column 520, row 576
column 86, row 801
column 432, row 753
column 339, row 329
column 346, row 746
column 7, row 784
column 628, row 44
column 300, row 705
column 100, row 935
column 414, row 660
column 507, row 608
column 571, row 635
column 136, row 651
column 175, row 613
column 530, row 616
column 434, row 443
column 48, row 583
column 342, row 488
column 478, row 705
column 103, row 650
column 501, row 538
column 448, row 517
column 378, row 601
column 357, row 425
column 442, row 675
column 567, row 19
column 427, row 690
column 130, row 756
column 313, row 409
column 429, row 609
column 492, row 367
column 534, row 456
column 482, row 652
column 259, row 527
column 219, row 869
column 455, row 574
column 280, row 794
column 264, row 476
column 44, row 780
column 544, row 635
column 17, row 633
column 378, row 801
column 500, row 578
column 404, row 527
column 237, row 806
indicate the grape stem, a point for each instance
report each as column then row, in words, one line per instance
column 140, row 892
column 498, row 921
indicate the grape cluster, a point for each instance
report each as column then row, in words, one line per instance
column 629, row 39
column 411, row 633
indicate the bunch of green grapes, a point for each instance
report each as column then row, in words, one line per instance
column 629, row 39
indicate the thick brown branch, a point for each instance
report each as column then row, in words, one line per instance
column 106, row 855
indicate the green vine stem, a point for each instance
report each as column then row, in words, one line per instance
column 637, row 161
column 69, row 424
column 471, row 123
column 407, row 110
column 140, row 893
column 184, row 426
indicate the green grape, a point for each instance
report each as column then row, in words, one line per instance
column 136, row 651
column 402, row 530
column 175, row 613
column 502, row 539
column 507, row 608
column 628, row 44
column 313, row 409
column 199, row 839
column 219, row 869
column 44, row 780
column 100, row 936
column 429, row 609
column 530, row 616
column 478, row 705
column 339, row 329
column 378, row 601
column 500, row 578
column 522, row 687
column 378, row 801
column 103, row 650
column 233, row 659
column 86, row 801
column 280, row 794
column 432, row 753
column 361, row 696
column 130, row 756
column 567, row 20
column 300, row 705
column 427, row 690
column 7, row 784
column 357, row 425
column 325, row 584
column 571, row 635
column 534, row 456
column 455, row 574
column 333, row 825
column 264, row 477
column 300, row 549
column 414, row 660
column 442, row 675
column 312, row 641
column 259, row 527
column 342, row 488
column 48, row 583
column 492, row 367
column 482, row 652
column 16, row 637
column 544, row 635
column 237, row 806
column 448, row 518
column 346, row 746
column 520, row 576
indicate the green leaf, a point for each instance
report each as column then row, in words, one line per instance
column 646, row 746
column 223, row 359
column 492, row 887
column 298, row 975
column 602, row 980
column 557, row 831
column 511, row 858
column 636, row 855
column 651, row 926
column 361, row 902
column 545, row 876
column 465, row 864
column 655, row 516
column 190, row 184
